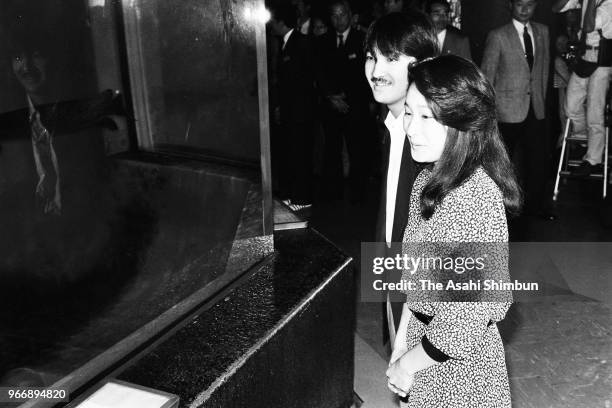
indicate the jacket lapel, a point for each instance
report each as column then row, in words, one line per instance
column 539, row 41
column 288, row 47
column 517, row 45
column 382, row 208
column 404, row 190
column 348, row 45
column 447, row 45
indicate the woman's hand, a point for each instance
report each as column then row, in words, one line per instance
column 399, row 350
column 399, row 379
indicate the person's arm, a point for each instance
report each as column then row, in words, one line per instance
column 491, row 56
column 603, row 14
column 401, row 373
column 400, row 347
column 562, row 70
column 465, row 48
column 321, row 67
column 561, row 6
column 546, row 58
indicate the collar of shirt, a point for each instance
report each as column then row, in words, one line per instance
column 305, row 27
column 441, row 38
column 394, row 123
column 31, row 108
column 344, row 35
column 286, row 38
column 520, row 28
column 398, row 137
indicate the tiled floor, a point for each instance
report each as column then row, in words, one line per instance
column 559, row 341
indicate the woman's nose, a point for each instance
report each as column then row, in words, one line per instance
column 410, row 126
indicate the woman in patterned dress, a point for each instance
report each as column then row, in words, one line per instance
column 450, row 354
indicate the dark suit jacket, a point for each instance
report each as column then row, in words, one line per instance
column 456, row 43
column 408, row 170
column 61, row 245
column 296, row 80
column 505, row 65
column 342, row 71
column 404, row 189
column 78, row 146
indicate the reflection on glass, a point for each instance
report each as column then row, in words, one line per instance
column 195, row 62
column 103, row 246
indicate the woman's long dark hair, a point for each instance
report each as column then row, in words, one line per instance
column 461, row 98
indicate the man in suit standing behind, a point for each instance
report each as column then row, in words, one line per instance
column 345, row 99
column 516, row 61
column 393, row 42
column 450, row 40
column 295, row 111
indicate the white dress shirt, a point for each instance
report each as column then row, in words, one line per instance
column 520, row 28
column 286, row 38
column 398, row 137
column 441, row 38
column 305, row 27
column 603, row 19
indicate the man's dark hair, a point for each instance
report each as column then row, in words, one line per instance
column 430, row 3
column 286, row 13
column 409, row 33
column 461, row 98
column 344, row 3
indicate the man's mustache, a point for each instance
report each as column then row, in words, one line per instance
column 29, row 73
column 377, row 80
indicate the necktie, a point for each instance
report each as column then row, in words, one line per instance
column 45, row 159
column 588, row 23
column 340, row 41
column 528, row 47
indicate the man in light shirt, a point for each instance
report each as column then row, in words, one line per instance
column 596, row 18
column 516, row 60
column 392, row 43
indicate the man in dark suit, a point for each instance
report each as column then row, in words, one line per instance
column 516, row 61
column 394, row 41
column 450, row 40
column 296, row 103
column 52, row 161
column 345, row 100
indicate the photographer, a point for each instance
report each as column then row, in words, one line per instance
column 590, row 79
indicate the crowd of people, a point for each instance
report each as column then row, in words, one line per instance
column 463, row 148
column 329, row 132
column 327, row 125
